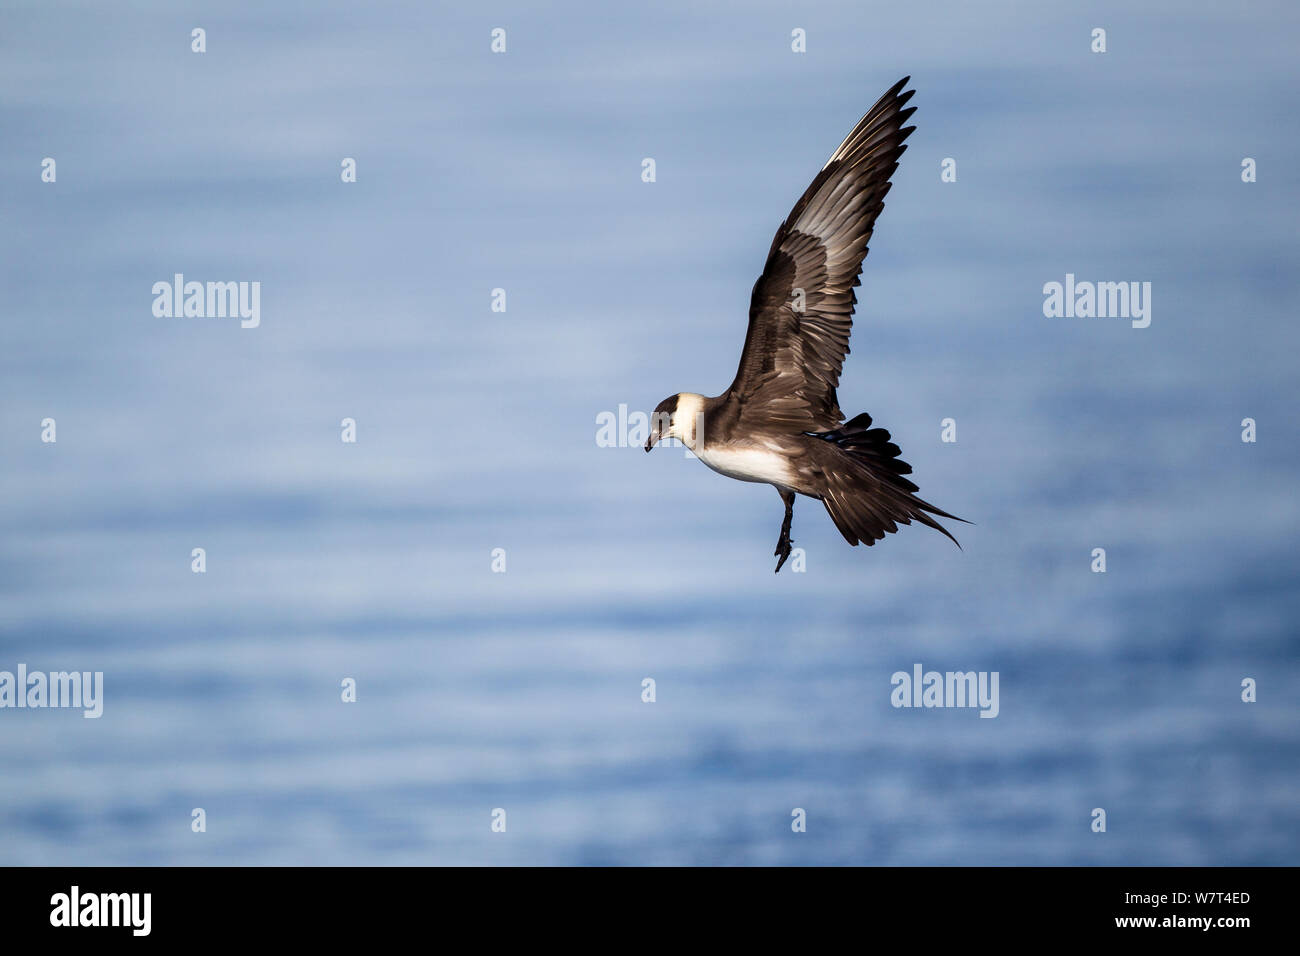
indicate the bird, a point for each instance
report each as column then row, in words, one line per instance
column 779, row 422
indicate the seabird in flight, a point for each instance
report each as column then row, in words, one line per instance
column 780, row 421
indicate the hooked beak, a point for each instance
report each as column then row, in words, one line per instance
column 652, row 440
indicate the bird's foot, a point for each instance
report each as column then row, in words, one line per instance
column 783, row 549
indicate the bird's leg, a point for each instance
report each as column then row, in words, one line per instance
column 783, row 544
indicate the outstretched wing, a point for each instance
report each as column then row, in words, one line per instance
column 801, row 310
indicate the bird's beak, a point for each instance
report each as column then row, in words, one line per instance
column 652, row 440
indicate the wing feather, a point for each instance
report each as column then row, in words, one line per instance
column 792, row 360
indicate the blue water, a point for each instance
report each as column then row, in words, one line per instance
column 476, row 430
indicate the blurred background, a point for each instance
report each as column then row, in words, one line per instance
column 477, row 430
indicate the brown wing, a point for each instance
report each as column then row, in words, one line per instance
column 794, row 351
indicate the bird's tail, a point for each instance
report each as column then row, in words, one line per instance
column 867, row 496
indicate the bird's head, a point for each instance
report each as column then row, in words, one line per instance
column 678, row 416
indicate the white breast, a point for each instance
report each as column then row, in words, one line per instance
column 749, row 464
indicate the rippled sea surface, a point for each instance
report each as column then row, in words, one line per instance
column 477, row 430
